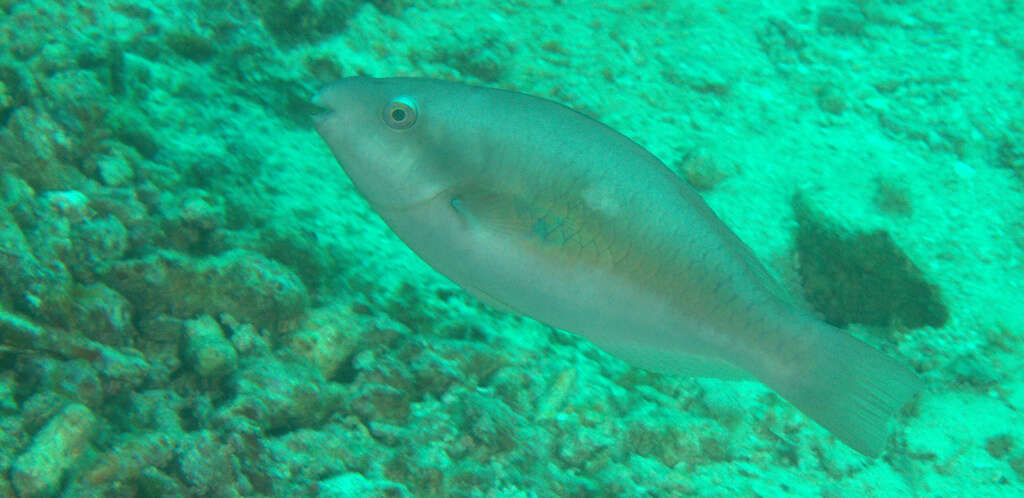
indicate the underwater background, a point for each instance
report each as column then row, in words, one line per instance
column 194, row 301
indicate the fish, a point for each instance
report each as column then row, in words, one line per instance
column 540, row 210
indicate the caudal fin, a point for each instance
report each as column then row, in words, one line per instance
column 848, row 387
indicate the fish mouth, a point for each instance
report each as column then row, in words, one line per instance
column 321, row 110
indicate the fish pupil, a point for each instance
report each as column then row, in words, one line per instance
column 398, row 115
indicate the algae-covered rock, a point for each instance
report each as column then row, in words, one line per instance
column 245, row 338
column 304, row 20
column 38, row 471
column 116, row 166
column 669, row 439
column 153, row 482
column 7, row 386
column 126, row 460
column 74, row 380
column 353, row 484
column 6, row 488
column 702, row 170
column 326, row 337
column 94, row 242
column 208, row 464
column 244, row 284
column 39, row 149
column 209, row 352
column 81, row 102
column 861, row 277
column 273, row 395
column 121, row 368
column 158, row 410
column 383, row 390
column 19, row 332
column 1010, row 152
column 15, row 86
column 301, row 250
column 842, row 19
column 310, row 454
column 190, row 219
column 35, row 287
column 44, row 239
column 584, row 447
column 69, row 204
column 103, row 315
column 160, row 342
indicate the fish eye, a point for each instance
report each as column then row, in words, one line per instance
column 400, row 113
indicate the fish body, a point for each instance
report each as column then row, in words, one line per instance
column 536, row 208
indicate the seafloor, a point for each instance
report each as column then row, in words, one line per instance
column 195, row 301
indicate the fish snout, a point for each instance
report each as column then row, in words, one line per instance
column 321, row 107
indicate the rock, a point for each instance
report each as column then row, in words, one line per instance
column 853, row 276
column 326, row 337
column 246, row 339
column 95, row 242
column 209, row 465
column 124, row 204
column 191, row 218
column 307, row 455
column 241, row 283
column 35, row 287
column 6, row 488
column 300, row 249
column 830, row 98
column 1010, row 151
column 83, row 103
column 670, row 438
column 8, row 384
column 39, row 149
column 75, row 380
column 194, row 46
column 70, row 204
column 700, row 76
column 159, row 410
column 129, row 458
column 353, row 484
column 153, row 482
column 103, row 315
column 56, row 447
column 583, row 447
column 372, row 401
column 209, row 352
column 14, row 191
column 302, row 21
column 842, row 19
column 272, row 395
column 160, row 341
column 39, row 409
column 18, row 332
column 701, row 170
column 722, row 401
column 553, row 400
column 121, row 368
column 162, row 329
column 116, row 168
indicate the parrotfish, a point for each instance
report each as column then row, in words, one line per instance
column 538, row 209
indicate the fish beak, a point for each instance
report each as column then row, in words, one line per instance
column 322, row 111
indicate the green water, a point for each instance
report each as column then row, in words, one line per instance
column 194, row 300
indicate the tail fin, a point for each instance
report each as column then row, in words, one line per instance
column 848, row 387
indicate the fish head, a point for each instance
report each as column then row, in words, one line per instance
column 391, row 136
